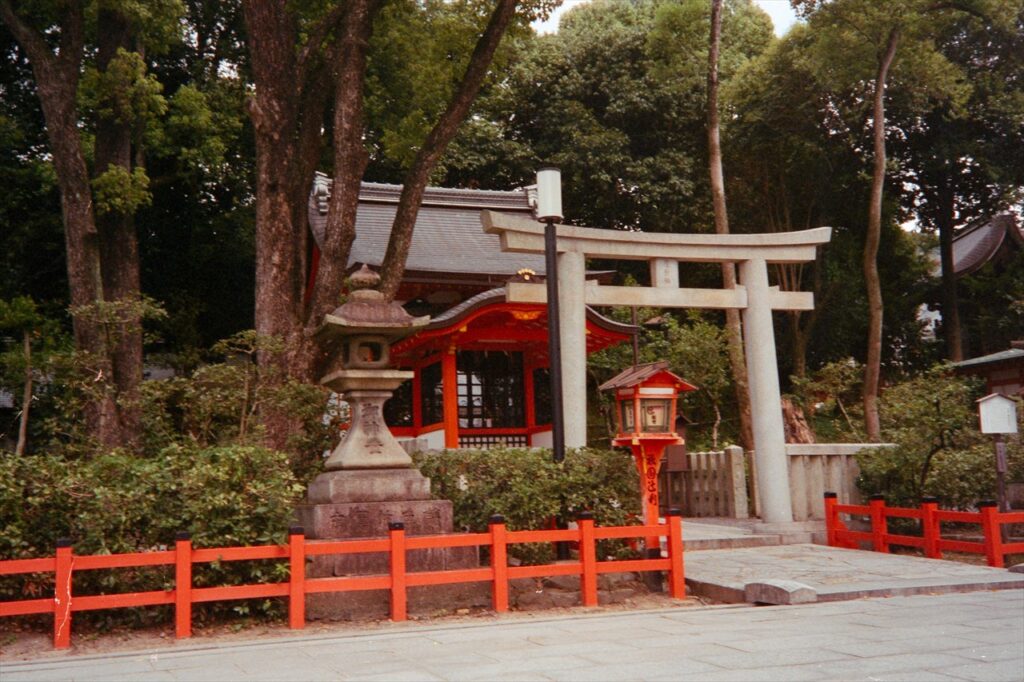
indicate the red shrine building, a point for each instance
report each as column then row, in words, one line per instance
column 481, row 364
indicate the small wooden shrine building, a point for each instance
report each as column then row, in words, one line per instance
column 481, row 364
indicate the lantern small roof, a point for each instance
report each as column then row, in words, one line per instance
column 997, row 397
column 646, row 373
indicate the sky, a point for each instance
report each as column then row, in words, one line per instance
column 779, row 10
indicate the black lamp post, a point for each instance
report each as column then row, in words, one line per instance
column 549, row 211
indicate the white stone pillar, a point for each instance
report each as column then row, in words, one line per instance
column 665, row 273
column 572, row 308
column 765, row 400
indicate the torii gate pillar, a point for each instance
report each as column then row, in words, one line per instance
column 765, row 400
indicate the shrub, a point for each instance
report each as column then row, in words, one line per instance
column 529, row 489
column 939, row 451
column 117, row 502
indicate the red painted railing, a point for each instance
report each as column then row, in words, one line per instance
column 397, row 580
column 930, row 518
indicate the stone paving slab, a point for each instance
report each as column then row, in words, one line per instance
column 836, row 574
column 819, row 641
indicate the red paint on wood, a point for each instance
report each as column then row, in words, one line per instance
column 62, row 597
column 398, row 586
column 183, row 588
column 297, row 580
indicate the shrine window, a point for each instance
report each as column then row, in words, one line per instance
column 431, row 394
column 542, row 395
column 491, row 393
column 398, row 408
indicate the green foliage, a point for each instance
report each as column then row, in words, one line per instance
column 117, row 502
column 124, row 91
column 939, row 451
column 119, row 190
column 529, row 489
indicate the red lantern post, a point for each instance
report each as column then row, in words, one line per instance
column 645, row 398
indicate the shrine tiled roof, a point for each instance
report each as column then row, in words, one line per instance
column 1013, row 354
column 448, row 237
column 978, row 244
column 459, row 312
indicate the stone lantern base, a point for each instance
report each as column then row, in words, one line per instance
column 353, row 504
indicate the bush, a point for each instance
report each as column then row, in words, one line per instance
column 116, row 502
column 529, row 489
column 939, row 451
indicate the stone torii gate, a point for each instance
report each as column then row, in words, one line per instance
column 754, row 297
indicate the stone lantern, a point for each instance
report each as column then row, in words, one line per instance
column 365, row 327
column 370, row 481
column 645, row 408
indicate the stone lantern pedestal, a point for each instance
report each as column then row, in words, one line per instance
column 369, row 479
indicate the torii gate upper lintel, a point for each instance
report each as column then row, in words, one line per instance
column 754, row 297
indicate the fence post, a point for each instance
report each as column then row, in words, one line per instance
column 676, row 573
column 879, row 524
column 499, row 563
column 930, row 528
column 737, row 482
column 588, row 559
column 62, row 595
column 396, row 532
column 297, row 578
column 183, row 585
column 831, row 519
column 993, row 538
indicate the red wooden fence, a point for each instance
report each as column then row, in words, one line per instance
column 931, row 519
column 397, row 580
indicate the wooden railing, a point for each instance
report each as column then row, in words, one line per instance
column 184, row 556
column 713, row 484
column 930, row 519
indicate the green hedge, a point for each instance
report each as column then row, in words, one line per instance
column 529, row 489
column 116, row 502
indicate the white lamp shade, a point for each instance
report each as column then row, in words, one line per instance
column 549, row 194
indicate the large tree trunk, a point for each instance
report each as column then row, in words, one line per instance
column 950, row 304
column 444, row 130
column 56, row 77
column 732, row 316
column 119, row 250
column 873, row 365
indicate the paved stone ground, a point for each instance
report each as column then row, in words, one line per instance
column 975, row 636
column 837, row 573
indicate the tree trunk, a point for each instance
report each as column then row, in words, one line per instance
column 873, row 365
column 119, row 251
column 56, row 77
column 444, row 130
column 26, row 394
column 732, row 317
column 950, row 305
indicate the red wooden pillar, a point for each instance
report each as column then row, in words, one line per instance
column 499, row 562
column 297, row 578
column 831, row 519
column 930, row 528
column 450, row 388
column 993, row 537
column 396, row 533
column 676, row 574
column 62, row 595
column 183, row 585
column 879, row 524
column 588, row 559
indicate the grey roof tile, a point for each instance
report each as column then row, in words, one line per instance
column 448, row 237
